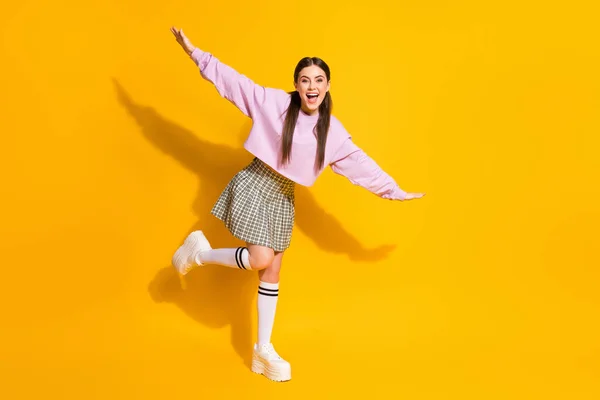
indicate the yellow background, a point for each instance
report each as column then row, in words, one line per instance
column 114, row 149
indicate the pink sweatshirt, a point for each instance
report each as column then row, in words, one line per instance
column 266, row 107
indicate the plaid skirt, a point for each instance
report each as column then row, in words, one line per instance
column 257, row 206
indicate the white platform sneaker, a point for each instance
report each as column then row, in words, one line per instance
column 267, row 362
column 185, row 258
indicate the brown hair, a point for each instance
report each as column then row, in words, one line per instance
column 322, row 126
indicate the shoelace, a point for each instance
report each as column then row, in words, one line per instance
column 271, row 351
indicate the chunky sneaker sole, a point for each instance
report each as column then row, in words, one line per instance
column 183, row 259
column 279, row 372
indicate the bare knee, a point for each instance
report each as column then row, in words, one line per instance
column 260, row 257
column 270, row 274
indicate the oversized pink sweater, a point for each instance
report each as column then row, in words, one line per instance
column 266, row 107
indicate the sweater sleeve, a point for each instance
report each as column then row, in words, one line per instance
column 353, row 163
column 230, row 84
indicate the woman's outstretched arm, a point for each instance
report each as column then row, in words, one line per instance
column 231, row 85
column 360, row 169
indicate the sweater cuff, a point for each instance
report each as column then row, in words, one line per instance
column 200, row 58
column 395, row 194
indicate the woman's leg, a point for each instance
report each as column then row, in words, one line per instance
column 196, row 251
column 268, row 293
column 265, row 359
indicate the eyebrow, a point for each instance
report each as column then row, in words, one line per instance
column 318, row 76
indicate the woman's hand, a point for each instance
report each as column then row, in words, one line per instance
column 410, row 196
column 183, row 40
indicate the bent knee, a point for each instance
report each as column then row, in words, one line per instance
column 261, row 260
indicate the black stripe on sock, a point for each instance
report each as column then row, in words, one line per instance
column 268, row 294
column 270, row 290
column 237, row 261
column 241, row 260
column 238, row 257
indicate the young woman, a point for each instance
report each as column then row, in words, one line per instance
column 294, row 137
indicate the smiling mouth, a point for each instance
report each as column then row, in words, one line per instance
column 312, row 97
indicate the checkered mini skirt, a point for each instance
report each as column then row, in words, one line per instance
column 257, row 206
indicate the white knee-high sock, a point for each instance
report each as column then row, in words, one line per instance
column 267, row 303
column 237, row 257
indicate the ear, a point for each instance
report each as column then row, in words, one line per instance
column 328, row 85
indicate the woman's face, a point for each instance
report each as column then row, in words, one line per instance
column 312, row 86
